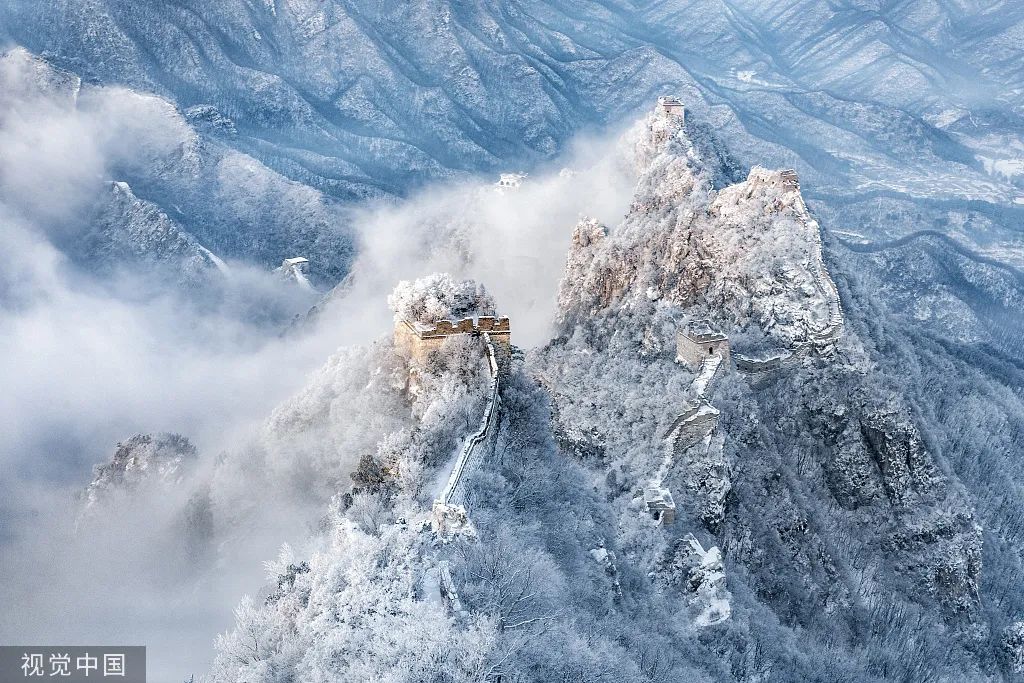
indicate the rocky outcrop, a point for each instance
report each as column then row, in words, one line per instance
column 144, row 458
column 877, row 464
column 706, row 479
column 1012, row 644
column 818, row 484
column 127, row 230
column 937, row 552
column 903, row 463
column 738, row 254
column 699, row 575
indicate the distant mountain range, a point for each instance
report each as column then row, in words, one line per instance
column 913, row 100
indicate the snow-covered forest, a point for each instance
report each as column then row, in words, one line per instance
column 726, row 369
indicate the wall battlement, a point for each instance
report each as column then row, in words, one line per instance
column 790, row 180
column 750, row 364
column 449, row 511
column 417, row 340
column 444, row 328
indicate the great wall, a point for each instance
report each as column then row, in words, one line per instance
column 694, row 424
column 416, row 341
column 697, row 345
column 449, row 517
column 449, row 511
column 833, row 329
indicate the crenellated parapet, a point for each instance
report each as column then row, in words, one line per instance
column 790, row 180
column 474, row 325
column 417, row 340
column 671, row 107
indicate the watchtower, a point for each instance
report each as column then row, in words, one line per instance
column 298, row 264
column 671, row 107
column 511, row 181
column 660, row 504
column 417, row 340
column 697, row 341
column 790, row 180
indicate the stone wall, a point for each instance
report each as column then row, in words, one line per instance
column 418, row 340
column 824, row 338
column 693, row 424
column 764, row 364
column 452, row 501
column 409, row 344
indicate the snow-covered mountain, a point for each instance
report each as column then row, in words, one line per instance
column 912, row 101
column 744, row 254
column 141, row 150
column 766, row 426
column 633, row 508
column 127, row 229
column 858, row 92
column 884, row 111
column 143, row 459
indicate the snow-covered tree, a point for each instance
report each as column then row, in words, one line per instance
column 437, row 297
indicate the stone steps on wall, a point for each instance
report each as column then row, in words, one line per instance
column 453, row 494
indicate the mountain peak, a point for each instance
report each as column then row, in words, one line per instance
column 747, row 256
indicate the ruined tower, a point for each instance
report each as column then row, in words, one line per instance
column 697, row 341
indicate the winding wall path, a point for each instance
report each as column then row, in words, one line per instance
column 698, row 419
column 833, row 329
column 472, row 450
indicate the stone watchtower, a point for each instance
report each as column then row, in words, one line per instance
column 670, row 117
column 417, row 340
column 697, row 341
column 790, row 180
column 511, row 180
column 299, row 263
column 660, row 504
column 671, row 107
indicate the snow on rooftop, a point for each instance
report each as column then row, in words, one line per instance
column 511, row 180
column 701, row 329
column 658, row 497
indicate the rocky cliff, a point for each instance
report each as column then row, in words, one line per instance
column 817, row 484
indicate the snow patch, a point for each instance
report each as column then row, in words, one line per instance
column 1007, row 169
